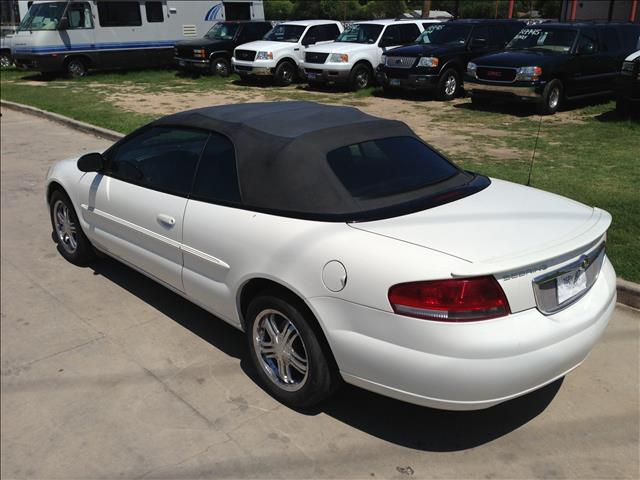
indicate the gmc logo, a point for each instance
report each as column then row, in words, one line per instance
column 494, row 73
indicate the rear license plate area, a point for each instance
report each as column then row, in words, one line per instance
column 570, row 285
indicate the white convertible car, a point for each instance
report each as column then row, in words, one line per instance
column 347, row 249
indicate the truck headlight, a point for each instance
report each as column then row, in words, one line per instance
column 430, row 62
column 339, row 58
column 471, row 69
column 528, row 74
column 264, row 56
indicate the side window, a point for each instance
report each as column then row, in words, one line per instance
column 313, row 35
column 480, row 37
column 119, row 14
column 162, row 158
column 331, row 32
column 154, row 12
column 610, row 39
column 79, row 15
column 588, row 42
column 217, row 176
column 392, row 36
column 409, row 32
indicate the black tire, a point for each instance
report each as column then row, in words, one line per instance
column 5, row 60
column 448, row 85
column 360, row 77
column 285, row 74
column 83, row 251
column 551, row 98
column 221, row 66
column 321, row 378
column 75, row 67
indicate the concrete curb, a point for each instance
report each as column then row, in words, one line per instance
column 628, row 292
column 69, row 122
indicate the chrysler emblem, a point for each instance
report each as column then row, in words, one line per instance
column 585, row 263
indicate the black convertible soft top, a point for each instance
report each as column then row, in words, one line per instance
column 281, row 157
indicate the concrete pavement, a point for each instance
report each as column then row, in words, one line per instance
column 106, row 374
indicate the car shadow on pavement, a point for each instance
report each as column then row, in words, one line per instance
column 401, row 423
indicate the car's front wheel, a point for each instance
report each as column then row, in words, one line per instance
column 551, row 97
column 72, row 242
column 221, row 66
column 285, row 73
column 448, row 85
column 360, row 77
column 286, row 352
column 76, row 68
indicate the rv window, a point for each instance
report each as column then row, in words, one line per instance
column 119, row 14
column 154, row 12
column 79, row 15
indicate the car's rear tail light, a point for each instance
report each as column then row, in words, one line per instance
column 453, row 300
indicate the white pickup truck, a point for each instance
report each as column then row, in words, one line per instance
column 355, row 54
column 281, row 51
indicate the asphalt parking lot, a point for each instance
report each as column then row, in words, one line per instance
column 106, row 374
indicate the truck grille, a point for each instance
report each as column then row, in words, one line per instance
column 400, row 62
column 316, row 57
column 246, row 55
column 495, row 74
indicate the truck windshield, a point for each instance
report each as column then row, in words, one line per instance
column 443, row 34
column 559, row 40
column 285, row 33
column 43, row 16
column 360, row 33
column 222, row 31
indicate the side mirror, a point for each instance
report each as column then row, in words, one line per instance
column 388, row 41
column 91, row 162
column 63, row 24
column 479, row 42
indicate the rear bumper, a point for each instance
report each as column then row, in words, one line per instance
column 315, row 72
column 411, row 81
column 528, row 92
column 464, row 366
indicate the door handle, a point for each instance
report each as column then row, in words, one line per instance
column 166, row 220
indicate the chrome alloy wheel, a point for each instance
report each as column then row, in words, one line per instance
column 362, row 79
column 450, row 85
column 554, row 98
column 287, row 74
column 66, row 230
column 222, row 69
column 280, row 350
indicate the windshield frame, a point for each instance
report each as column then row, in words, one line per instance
column 235, row 31
column 27, row 21
column 446, row 25
column 362, row 24
column 284, row 25
column 575, row 31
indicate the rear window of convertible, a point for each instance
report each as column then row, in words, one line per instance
column 388, row 166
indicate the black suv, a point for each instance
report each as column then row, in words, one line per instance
column 214, row 51
column 551, row 62
column 438, row 59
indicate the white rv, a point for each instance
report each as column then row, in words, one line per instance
column 11, row 14
column 75, row 36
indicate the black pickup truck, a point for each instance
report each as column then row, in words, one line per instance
column 553, row 62
column 213, row 52
column 438, row 59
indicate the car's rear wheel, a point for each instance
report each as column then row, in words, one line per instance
column 221, row 66
column 285, row 73
column 287, row 353
column 360, row 77
column 551, row 98
column 72, row 242
column 5, row 60
column 76, row 68
column 448, row 85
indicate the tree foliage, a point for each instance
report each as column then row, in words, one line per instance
column 333, row 9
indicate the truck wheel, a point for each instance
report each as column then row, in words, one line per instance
column 285, row 73
column 286, row 352
column 220, row 66
column 448, row 85
column 76, row 68
column 5, row 60
column 360, row 77
column 551, row 97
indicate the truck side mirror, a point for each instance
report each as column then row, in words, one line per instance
column 91, row 162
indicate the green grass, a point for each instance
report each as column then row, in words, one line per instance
column 594, row 158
